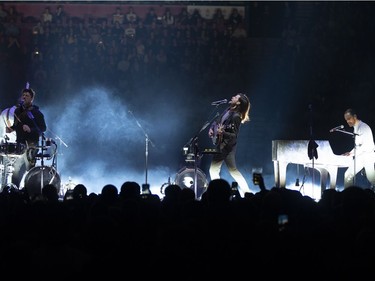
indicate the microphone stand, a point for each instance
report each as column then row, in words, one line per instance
column 193, row 142
column 355, row 151
column 58, row 138
column 312, row 145
column 54, row 163
column 145, row 187
column 42, row 164
column 55, row 154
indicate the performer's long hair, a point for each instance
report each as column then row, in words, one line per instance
column 244, row 108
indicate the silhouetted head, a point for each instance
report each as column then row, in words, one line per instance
column 49, row 192
column 172, row 191
column 79, row 191
column 130, row 190
column 218, row 191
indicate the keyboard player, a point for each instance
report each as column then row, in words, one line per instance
column 362, row 156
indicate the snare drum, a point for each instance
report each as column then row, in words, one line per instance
column 12, row 149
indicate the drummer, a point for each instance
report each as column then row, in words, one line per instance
column 29, row 125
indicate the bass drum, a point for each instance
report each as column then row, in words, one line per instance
column 32, row 180
column 185, row 179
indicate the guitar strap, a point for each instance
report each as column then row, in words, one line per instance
column 225, row 116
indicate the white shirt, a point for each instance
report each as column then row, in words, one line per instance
column 364, row 140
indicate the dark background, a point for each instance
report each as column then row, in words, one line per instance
column 302, row 64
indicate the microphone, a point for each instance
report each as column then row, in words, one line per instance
column 21, row 102
column 336, row 128
column 218, row 102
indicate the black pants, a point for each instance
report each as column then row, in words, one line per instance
column 229, row 158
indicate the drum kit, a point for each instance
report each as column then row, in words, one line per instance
column 38, row 176
column 191, row 176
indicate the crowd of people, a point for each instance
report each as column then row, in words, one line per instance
column 126, row 54
column 124, row 231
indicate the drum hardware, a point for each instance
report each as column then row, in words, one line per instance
column 10, row 152
column 211, row 151
column 193, row 155
column 37, row 177
column 190, row 153
column 2, row 169
column 50, row 152
column 68, row 187
column 164, row 185
column 12, row 149
column 42, row 155
column 7, row 170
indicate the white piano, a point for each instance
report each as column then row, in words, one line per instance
column 286, row 152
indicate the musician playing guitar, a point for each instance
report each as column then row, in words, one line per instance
column 224, row 132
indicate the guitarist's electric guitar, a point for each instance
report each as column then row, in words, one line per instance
column 217, row 138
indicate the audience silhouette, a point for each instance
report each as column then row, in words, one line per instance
column 274, row 230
